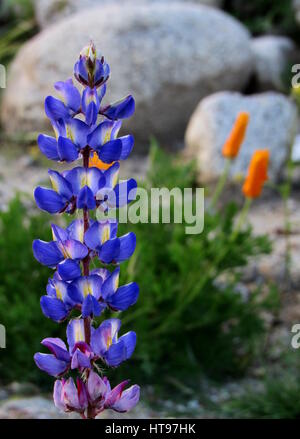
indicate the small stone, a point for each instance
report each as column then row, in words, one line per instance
column 193, row 405
column 3, row 394
column 22, row 388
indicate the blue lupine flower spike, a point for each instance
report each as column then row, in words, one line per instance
column 85, row 128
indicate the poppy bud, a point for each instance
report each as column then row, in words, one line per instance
column 233, row 143
column 257, row 174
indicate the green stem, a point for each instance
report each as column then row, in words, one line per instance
column 242, row 218
column 221, row 184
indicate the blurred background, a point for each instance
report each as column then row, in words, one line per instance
column 214, row 334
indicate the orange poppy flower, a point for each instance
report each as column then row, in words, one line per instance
column 94, row 161
column 257, row 174
column 235, row 139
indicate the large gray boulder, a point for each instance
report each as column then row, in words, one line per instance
column 168, row 57
column 273, row 55
column 51, row 11
column 273, row 125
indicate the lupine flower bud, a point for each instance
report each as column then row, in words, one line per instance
column 236, row 137
column 70, row 397
column 89, row 70
column 257, row 174
column 89, row 52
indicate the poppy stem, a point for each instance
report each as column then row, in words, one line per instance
column 242, row 217
column 221, row 183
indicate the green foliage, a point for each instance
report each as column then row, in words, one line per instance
column 265, row 16
column 279, row 398
column 22, row 283
column 17, row 25
column 15, row 9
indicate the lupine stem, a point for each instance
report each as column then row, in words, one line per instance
column 86, row 271
column 86, row 260
column 86, row 156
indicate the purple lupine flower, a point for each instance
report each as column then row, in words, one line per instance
column 81, row 188
column 70, row 397
column 84, row 127
column 56, row 363
column 61, row 359
column 121, row 109
column 122, row 400
column 104, row 345
column 85, row 291
column 70, row 138
column 101, row 396
column 115, row 297
column 102, row 238
column 105, row 142
column 64, row 249
column 57, row 304
column 89, row 294
column 104, row 342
